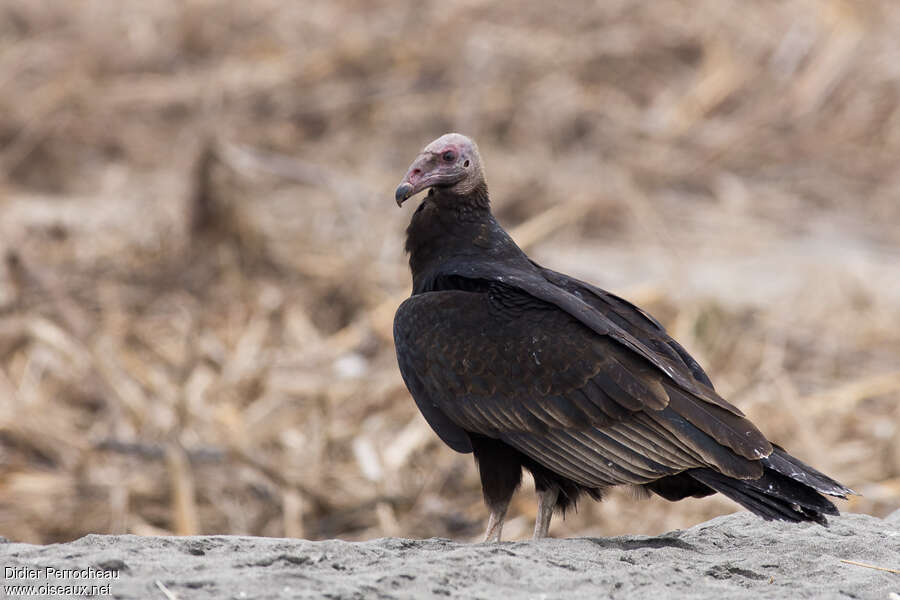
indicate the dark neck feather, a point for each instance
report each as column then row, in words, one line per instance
column 448, row 230
column 476, row 200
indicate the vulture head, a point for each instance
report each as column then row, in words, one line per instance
column 450, row 162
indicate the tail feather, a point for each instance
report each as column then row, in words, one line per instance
column 782, row 462
column 788, row 490
column 772, row 496
column 757, row 503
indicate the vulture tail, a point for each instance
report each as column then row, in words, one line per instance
column 785, row 464
column 788, row 490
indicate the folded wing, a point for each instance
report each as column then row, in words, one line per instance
column 505, row 364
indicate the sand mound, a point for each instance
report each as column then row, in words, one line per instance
column 736, row 556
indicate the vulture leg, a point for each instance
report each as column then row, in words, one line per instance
column 495, row 523
column 546, row 503
column 500, row 467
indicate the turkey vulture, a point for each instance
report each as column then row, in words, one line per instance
column 527, row 367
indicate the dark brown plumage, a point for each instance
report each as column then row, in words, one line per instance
column 527, row 367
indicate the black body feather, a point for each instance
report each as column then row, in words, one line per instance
column 530, row 368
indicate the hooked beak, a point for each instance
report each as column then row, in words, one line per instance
column 404, row 191
column 419, row 176
column 425, row 172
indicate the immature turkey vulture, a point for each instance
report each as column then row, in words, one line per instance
column 527, row 367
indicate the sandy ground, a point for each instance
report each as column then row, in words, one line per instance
column 736, row 556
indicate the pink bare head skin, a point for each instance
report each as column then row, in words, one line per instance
column 450, row 162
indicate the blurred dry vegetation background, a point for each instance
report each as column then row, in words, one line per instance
column 202, row 255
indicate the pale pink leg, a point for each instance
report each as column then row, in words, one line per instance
column 546, row 503
column 495, row 524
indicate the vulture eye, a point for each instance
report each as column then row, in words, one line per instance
column 449, row 156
